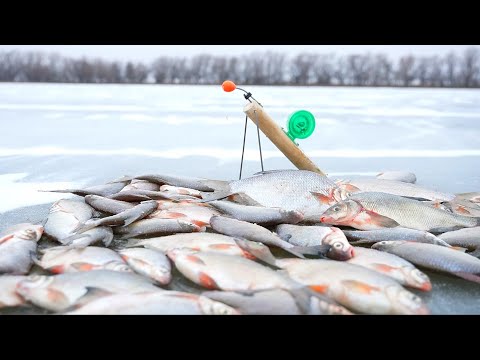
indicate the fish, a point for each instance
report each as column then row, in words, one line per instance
column 18, row 246
column 473, row 197
column 150, row 263
column 199, row 184
column 376, row 210
column 141, row 185
column 60, row 292
column 200, row 214
column 107, row 205
column 403, row 176
column 357, row 288
column 152, row 227
column 395, row 188
column 258, row 214
column 181, row 191
column 305, row 191
column 215, row 271
column 278, row 302
column 62, row 259
column 315, row 236
column 468, row 238
column 64, row 217
column 207, row 242
column 154, row 303
column 253, row 232
column 103, row 234
column 8, row 294
column 434, row 257
column 393, row 234
column 124, row 218
column 143, row 195
column 462, row 207
column 100, row 190
column 392, row 266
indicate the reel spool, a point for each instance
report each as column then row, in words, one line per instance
column 300, row 125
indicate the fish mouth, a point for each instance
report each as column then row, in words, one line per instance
column 341, row 255
column 426, row 287
column 336, row 236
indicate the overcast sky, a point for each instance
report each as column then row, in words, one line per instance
column 150, row 52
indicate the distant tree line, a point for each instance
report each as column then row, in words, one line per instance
column 269, row 68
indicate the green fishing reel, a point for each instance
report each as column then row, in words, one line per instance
column 301, row 124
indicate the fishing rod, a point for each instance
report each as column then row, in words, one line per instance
column 300, row 125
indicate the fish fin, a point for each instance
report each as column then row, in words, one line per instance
column 285, row 237
column 349, row 187
column 361, row 242
column 134, row 243
column 302, row 298
column 293, row 252
column 91, row 294
column 124, row 178
column 468, row 276
column 358, row 286
column 57, row 269
column 173, row 215
column 381, row 220
column 324, row 199
column 459, row 248
column 216, row 195
column 68, row 240
column 258, row 253
column 319, row 288
column 269, row 172
column 6, row 238
column 82, row 266
column 243, row 199
column 475, row 253
column 207, row 282
column 317, row 250
column 88, row 225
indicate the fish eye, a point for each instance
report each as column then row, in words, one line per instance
column 383, row 242
column 336, row 208
column 338, row 245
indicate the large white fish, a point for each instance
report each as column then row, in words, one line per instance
column 63, row 259
column 60, row 292
column 18, row 246
column 357, row 288
column 155, row 303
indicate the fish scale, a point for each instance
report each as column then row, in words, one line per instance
column 411, row 213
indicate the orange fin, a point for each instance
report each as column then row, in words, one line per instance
column 82, row 266
column 6, row 238
column 359, row 286
column 319, row 288
column 194, row 259
column 173, row 215
column 380, row 220
column 222, row 246
column 324, row 199
column 58, row 269
column 384, row 268
column 207, row 282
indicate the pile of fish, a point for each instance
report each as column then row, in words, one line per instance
column 279, row 242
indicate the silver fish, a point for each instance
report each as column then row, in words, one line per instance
column 395, row 188
column 374, row 210
column 225, row 272
column 62, row 259
column 100, row 190
column 472, row 197
column 435, row 258
column 208, row 242
column 155, row 303
column 60, row 292
column 8, row 294
column 258, row 214
column 466, row 238
column 150, row 263
column 402, row 176
column 181, row 191
column 142, row 195
column 357, row 288
column 199, row 184
column 103, row 234
column 300, row 190
column 18, row 245
column 253, row 232
column 277, row 302
column 393, row 234
column 64, row 217
column 124, row 218
column 392, row 266
column 316, row 236
column 152, row 227
column 141, row 185
column 107, row 205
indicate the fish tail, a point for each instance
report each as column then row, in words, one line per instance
column 292, row 251
column 89, row 225
column 134, row 243
column 216, row 195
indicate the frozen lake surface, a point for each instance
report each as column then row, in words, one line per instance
column 59, row 136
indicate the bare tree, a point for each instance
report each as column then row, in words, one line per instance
column 405, row 73
column 469, row 66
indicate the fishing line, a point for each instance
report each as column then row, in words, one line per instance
column 245, row 137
